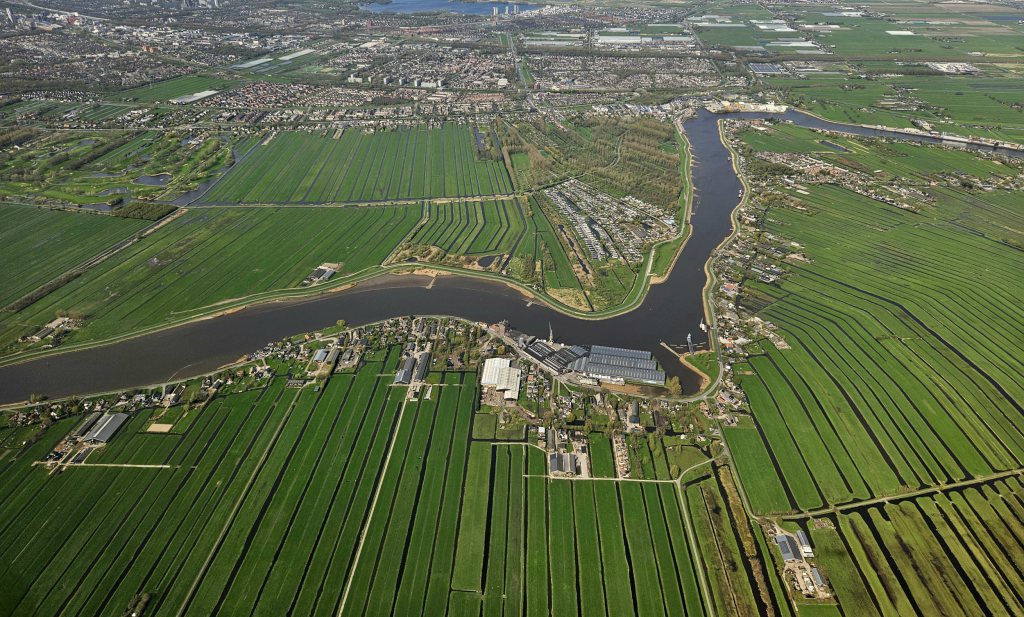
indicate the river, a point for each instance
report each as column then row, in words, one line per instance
column 670, row 311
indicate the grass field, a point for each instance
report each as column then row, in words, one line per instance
column 297, row 167
column 164, row 91
column 952, row 552
column 891, row 383
column 293, row 469
column 473, row 228
column 587, row 548
column 37, row 245
column 215, row 254
column 342, row 498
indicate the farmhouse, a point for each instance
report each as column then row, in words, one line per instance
column 319, row 275
column 788, row 547
column 105, row 427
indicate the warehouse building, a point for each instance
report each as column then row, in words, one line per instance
column 805, row 544
column 616, row 364
column 502, row 376
column 105, row 427
column 404, row 375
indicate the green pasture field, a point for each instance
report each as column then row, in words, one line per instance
column 890, row 384
column 37, row 245
column 602, row 458
column 294, row 469
column 164, row 91
column 346, row 498
column 298, row 167
column 745, row 36
column 473, row 228
column 629, row 555
column 890, row 559
column 211, row 255
column 707, row 363
column 865, row 38
column 977, row 105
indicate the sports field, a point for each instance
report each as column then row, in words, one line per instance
column 37, row 245
column 164, row 91
column 211, row 255
column 298, row 167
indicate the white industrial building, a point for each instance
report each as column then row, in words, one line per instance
column 502, row 376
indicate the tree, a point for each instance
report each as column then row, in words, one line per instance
column 673, row 470
column 674, row 386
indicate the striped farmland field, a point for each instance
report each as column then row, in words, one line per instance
column 304, row 168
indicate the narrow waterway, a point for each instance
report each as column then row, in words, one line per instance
column 670, row 311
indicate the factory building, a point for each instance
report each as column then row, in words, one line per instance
column 502, row 376
column 619, row 365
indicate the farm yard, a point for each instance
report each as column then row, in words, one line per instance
column 298, row 167
column 212, row 255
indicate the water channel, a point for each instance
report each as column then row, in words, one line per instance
column 670, row 311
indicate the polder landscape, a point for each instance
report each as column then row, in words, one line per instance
column 468, row 308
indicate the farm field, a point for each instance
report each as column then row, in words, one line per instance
column 37, row 245
column 473, row 228
column 293, row 470
column 298, row 167
column 211, row 255
column 348, row 499
column 988, row 106
column 629, row 555
column 889, row 384
column 954, row 551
